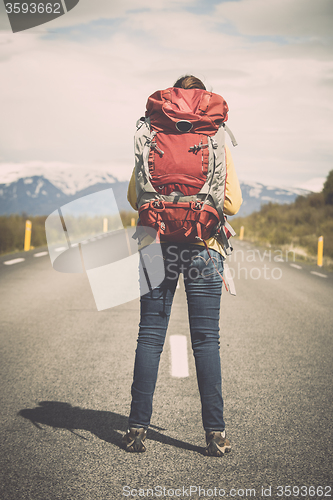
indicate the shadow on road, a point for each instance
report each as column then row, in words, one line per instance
column 104, row 424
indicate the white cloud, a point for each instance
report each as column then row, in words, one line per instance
column 279, row 17
column 316, row 184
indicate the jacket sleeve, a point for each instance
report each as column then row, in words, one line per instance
column 131, row 192
column 233, row 195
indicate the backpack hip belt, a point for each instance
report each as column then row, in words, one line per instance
column 181, row 222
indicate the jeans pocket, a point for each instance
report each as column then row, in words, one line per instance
column 206, row 266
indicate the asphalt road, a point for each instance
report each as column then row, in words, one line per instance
column 66, row 372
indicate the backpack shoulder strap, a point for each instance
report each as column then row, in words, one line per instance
column 217, row 170
column 142, row 141
column 216, row 176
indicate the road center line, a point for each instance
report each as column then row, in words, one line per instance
column 179, row 362
column 319, row 274
column 13, row 261
column 296, row 266
column 40, row 254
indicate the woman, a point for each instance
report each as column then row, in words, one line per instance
column 202, row 270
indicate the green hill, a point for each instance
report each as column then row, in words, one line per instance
column 297, row 225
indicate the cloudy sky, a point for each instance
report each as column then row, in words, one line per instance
column 72, row 89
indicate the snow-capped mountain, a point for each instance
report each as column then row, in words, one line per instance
column 46, row 190
column 256, row 194
column 37, row 195
column 68, row 178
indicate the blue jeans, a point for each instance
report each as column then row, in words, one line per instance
column 203, row 287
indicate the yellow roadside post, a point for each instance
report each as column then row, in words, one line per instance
column 320, row 251
column 241, row 233
column 132, row 221
column 27, row 237
column 105, row 225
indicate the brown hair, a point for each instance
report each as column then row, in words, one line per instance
column 189, row 82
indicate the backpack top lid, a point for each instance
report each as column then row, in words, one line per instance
column 204, row 110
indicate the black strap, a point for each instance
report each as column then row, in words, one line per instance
column 145, row 271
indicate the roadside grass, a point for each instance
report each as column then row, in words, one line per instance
column 295, row 227
column 12, row 230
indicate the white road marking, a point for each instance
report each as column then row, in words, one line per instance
column 319, row 274
column 296, row 266
column 40, row 254
column 60, row 249
column 13, row 261
column 179, row 363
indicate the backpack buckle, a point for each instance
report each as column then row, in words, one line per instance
column 196, row 148
column 157, row 205
column 196, row 205
column 154, row 146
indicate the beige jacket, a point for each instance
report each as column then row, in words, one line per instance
column 232, row 202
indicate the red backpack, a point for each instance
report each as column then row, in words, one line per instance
column 181, row 165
